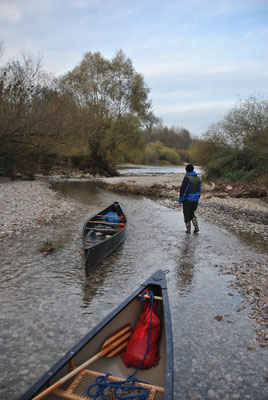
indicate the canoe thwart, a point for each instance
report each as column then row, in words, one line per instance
column 102, row 229
column 104, row 223
column 146, row 296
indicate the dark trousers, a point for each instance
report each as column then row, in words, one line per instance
column 189, row 208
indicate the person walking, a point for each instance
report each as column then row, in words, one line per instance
column 190, row 192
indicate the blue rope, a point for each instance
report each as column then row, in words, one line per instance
column 101, row 383
column 110, row 387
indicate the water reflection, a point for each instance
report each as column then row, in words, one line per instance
column 92, row 284
column 83, row 192
column 185, row 269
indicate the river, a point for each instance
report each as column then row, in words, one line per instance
column 48, row 304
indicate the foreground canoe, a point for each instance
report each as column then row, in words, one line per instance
column 85, row 366
column 102, row 234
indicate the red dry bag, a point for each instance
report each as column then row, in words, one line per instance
column 138, row 342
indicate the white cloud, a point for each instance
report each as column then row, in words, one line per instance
column 196, row 60
column 195, row 117
column 9, row 13
column 194, row 107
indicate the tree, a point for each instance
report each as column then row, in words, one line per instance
column 242, row 141
column 157, row 153
column 202, row 151
column 246, row 120
column 21, row 84
column 35, row 119
column 108, row 94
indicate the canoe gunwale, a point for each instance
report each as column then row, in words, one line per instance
column 155, row 280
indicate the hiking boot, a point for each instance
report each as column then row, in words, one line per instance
column 195, row 224
column 188, row 226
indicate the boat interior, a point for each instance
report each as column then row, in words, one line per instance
column 102, row 227
column 76, row 387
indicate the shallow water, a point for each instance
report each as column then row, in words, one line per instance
column 153, row 170
column 48, row 304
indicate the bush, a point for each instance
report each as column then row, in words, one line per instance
column 157, row 153
column 236, row 166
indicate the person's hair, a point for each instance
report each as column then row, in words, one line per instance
column 189, row 168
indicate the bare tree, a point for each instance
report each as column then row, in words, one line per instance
column 248, row 118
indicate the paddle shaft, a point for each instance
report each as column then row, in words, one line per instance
column 114, row 343
column 68, row 376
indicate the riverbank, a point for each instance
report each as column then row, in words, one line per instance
column 236, row 207
column 27, row 205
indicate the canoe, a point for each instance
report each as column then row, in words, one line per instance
column 102, row 234
column 71, row 377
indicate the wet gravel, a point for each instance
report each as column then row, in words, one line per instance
column 245, row 215
column 26, row 205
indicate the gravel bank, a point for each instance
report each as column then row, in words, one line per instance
column 28, row 204
column 243, row 215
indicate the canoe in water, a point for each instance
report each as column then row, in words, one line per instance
column 105, row 349
column 102, row 234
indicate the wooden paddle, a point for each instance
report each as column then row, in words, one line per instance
column 112, row 346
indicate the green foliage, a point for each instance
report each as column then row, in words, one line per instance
column 123, row 140
column 157, row 153
column 236, row 166
column 240, row 143
column 202, row 151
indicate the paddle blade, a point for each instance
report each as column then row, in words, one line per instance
column 116, row 342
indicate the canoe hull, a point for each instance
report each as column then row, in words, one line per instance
column 96, row 253
column 126, row 312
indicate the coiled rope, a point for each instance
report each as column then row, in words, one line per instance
column 123, row 389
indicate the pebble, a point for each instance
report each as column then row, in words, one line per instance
column 211, row 394
column 243, row 215
column 26, row 205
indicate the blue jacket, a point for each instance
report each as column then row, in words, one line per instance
column 190, row 189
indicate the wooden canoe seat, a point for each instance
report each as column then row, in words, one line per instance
column 103, row 229
column 103, row 223
column 78, row 388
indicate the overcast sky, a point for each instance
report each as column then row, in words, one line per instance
column 198, row 57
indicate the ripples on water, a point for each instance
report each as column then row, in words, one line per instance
column 48, row 304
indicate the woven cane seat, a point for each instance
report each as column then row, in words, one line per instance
column 78, row 388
